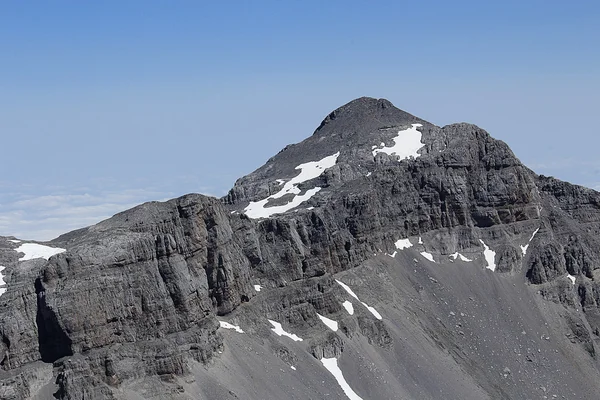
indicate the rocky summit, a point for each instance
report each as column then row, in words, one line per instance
column 383, row 257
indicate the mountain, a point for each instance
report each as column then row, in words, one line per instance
column 381, row 258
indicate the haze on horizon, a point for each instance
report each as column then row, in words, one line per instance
column 104, row 106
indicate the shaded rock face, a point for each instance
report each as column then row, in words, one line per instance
column 132, row 308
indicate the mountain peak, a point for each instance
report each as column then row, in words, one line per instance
column 367, row 111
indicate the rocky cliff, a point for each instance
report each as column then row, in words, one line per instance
column 381, row 258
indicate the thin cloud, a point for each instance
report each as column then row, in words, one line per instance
column 47, row 216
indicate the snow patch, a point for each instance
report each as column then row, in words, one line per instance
column 524, row 249
column 428, row 256
column 257, row 288
column 392, row 255
column 14, row 240
column 458, row 255
column 349, row 307
column 368, row 174
column 280, row 181
column 533, row 235
column 257, row 209
column 372, row 311
column 227, row 325
column 420, row 240
column 292, row 367
column 332, row 366
column 279, row 331
column 34, row 250
column 310, row 208
column 572, row 278
column 347, row 289
column 406, row 144
column 463, row 258
column 403, row 244
column 490, row 256
column 351, row 293
column 331, row 324
column 308, row 171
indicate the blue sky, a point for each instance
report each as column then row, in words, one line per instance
column 108, row 104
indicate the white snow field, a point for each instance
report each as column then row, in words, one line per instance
column 227, row 325
column 332, row 366
column 331, row 324
column 490, row 256
column 278, row 329
column 351, row 293
column 406, row 144
column 34, row 250
column 308, row 171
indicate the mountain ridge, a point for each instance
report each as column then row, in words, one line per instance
column 146, row 304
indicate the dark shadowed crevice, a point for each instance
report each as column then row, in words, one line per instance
column 6, row 349
column 53, row 341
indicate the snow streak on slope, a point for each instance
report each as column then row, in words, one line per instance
column 490, row 256
column 227, row 325
column 332, row 366
column 308, row 171
column 331, row 324
column 524, row 248
column 351, row 293
column 571, row 278
column 34, row 250
column 278, row 329
column 406, row 144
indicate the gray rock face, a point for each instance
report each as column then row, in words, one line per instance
column 471, row 277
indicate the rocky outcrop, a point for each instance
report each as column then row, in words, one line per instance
column 135, row 295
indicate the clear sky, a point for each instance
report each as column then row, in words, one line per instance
column 104, row 105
